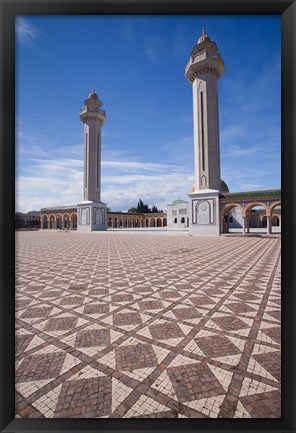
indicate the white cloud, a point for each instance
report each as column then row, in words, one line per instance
column 158, row 189
column 25, row 31
column 127, row 30
column 112, row 154
column 250, row 186
column 133, row 165
column 153, row 48
column 249, row 176
column 239, row 151
column 44, row 191
column 253, row 92
column 232, row 132
column 180, row 150
column 180, row 47
column 56, row 182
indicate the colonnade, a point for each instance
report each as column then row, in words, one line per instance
column 115, row 221
column 63, row 221
column 268, row 218
column 68, row 221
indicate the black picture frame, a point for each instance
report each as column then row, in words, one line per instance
column 8, row 10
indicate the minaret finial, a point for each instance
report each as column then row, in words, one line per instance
column 203, row 30
column 93, row 88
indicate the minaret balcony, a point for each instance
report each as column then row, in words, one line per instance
column 92, row 113
column 204, row 62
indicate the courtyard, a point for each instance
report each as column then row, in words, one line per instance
column 164, row 326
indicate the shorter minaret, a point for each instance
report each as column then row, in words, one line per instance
column 203, row 70
column 93, row 118
column 92, row 213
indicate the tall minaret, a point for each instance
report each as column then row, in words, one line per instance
column 92, row 213
column 203, row 70
column 93, row 118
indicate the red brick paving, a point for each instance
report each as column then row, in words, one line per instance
column 115, row 325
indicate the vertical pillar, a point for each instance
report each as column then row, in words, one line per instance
column 268, row 220
column 221, row 224
column 248, row 224
column 244, row 225
column 227, row 223
column 42, row 224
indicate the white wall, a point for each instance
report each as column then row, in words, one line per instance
column 177, row 216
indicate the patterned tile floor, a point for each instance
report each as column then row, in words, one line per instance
column 119, row 325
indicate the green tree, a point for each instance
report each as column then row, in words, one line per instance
column 132, row 210
column 142, row 208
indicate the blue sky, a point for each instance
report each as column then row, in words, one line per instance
column 137, row 66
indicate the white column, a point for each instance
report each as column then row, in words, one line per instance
column 268, row 220
column 244, row 225
column 248, row 225
column 221, row 224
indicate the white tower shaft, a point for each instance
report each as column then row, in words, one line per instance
column 92, row 161
column 206, row 132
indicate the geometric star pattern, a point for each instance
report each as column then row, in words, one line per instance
column 147, row 325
